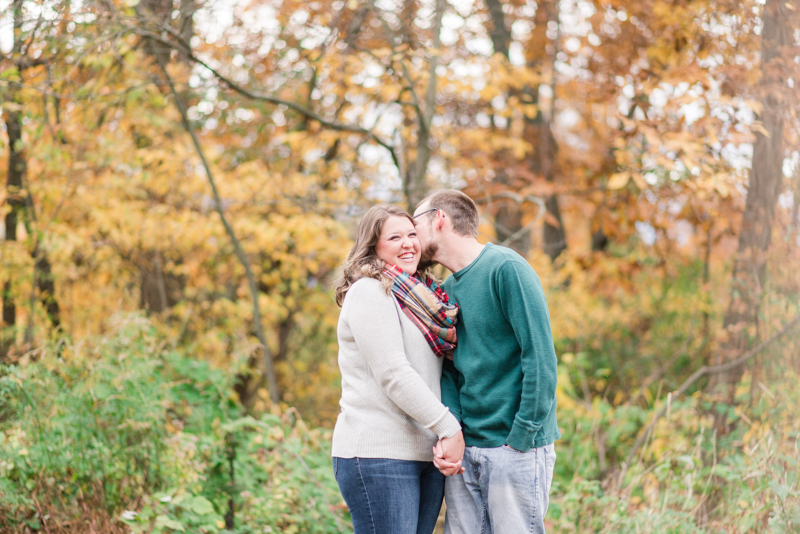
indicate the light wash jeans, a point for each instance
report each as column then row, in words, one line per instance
column 502, row 491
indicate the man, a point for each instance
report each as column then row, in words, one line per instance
column 501, row 384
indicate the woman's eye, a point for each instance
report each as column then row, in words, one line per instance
column 412, row 234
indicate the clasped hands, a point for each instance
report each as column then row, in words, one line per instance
column 448, row 454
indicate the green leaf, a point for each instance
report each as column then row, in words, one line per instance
column 165, row 521
column 200, row 506
column 9, row 73
column 779, row 489
column 247, row 422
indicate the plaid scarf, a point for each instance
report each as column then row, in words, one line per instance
column 428, row 307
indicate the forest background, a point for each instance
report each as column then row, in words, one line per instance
column 183, row 177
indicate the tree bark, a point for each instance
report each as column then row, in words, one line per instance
column 17, row 167
column 554, row 239
column 508, row 225
column 156, row 13
column 159, row 290
column 537, row 131
column 415, row 188
column 766, row 180
column 499, row 32
column 42, row 280
column 47, row 288
column 19, row 203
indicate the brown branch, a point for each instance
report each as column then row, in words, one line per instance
column 269, row 367
column 519, row 233
column 708, row 370
column 76, row 98
column 185, row 49
column 421, row 116
column 32, row 36
column 510, row 195
column 658, row 373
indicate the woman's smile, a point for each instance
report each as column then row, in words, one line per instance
column 399, row 244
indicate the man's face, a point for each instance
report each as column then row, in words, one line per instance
column 424, row 225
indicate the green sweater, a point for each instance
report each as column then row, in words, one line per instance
column 501, row 385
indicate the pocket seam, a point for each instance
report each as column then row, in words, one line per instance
column 511, row 449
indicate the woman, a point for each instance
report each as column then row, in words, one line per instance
column 393, row 329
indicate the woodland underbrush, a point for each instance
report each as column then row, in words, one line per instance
column 686, row 478
column 124, row 434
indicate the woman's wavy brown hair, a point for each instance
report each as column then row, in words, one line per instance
column 362, row 261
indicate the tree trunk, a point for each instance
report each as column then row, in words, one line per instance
column 16, row 171
column 501, row 36
column 158, row 290
column 415, row 188
column 766, row 179
column 554, row 240
column 154, row 14
column 599, row 240
column 537, row 131
column 15, row 181
column 508, row 225
column 46, row 286
column 508, row 215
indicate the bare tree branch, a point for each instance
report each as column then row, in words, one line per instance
column 708, row 370
column 269, row 367
column 185, row 49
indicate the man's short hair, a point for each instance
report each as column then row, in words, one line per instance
column 459, row 207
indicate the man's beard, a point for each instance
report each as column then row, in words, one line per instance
column 426, row 257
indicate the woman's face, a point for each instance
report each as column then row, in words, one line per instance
column 399, row 244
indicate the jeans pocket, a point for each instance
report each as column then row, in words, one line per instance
column 512, row 449
column 335, row 467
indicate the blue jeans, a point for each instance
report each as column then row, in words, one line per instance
column 502, row 491
column 390, row 496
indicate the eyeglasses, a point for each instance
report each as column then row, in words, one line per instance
column 424, row 212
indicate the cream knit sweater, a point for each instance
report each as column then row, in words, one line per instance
column 391, row 396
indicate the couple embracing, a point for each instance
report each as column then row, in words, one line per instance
column 446, row 391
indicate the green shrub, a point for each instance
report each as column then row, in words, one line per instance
column 157, row 440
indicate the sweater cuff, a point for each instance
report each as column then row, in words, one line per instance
column 447, row 427
column 523, row 434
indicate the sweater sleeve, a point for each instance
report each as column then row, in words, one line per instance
column 374, row 322
column 450, row 388
column 523, row 303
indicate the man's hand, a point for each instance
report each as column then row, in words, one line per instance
column 448, row 454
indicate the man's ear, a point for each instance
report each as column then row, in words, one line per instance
column 438, row 222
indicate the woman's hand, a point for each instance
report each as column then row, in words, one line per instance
column 448, row 454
